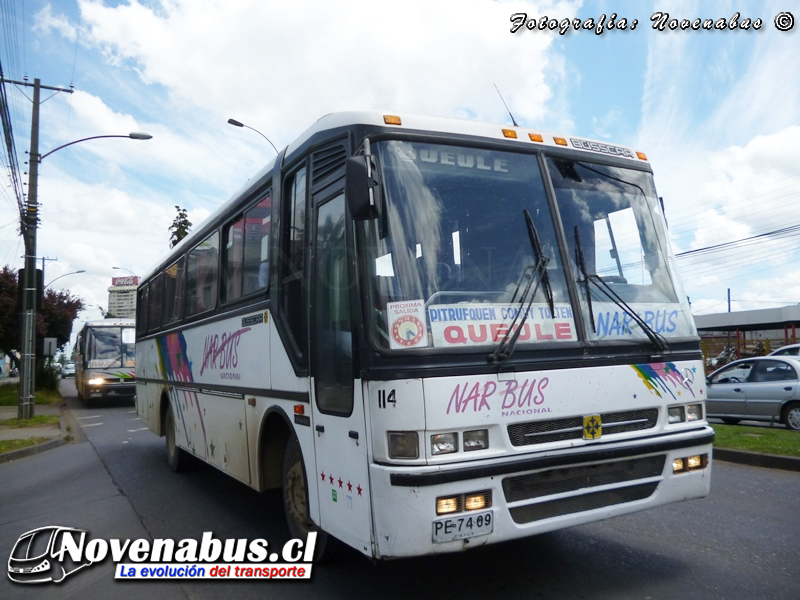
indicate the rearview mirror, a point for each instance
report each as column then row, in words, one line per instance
column 361, row 188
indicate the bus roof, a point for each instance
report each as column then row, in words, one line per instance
column 111, row 323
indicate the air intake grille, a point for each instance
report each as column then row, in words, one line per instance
column 328, row 163
column 575, row 504
column 571, row 428
column 559, row 481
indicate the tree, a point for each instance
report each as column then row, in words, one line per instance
column 59, row 310
column 180, row 227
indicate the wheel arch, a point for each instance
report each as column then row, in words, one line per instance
column 273, row 432
column 163, row 406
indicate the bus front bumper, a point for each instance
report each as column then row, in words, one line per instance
column 524, row 496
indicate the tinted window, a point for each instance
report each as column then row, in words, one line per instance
column 234, row 250
column 257, row 222
column 173, row 291
column 155, row 304
column 201, row 276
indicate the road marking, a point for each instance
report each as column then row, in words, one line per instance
column 137, row 419
column 131, row 411
column 142, row 429
column 90, row 424
column 92, row 417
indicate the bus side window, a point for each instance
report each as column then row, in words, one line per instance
column 232, row 260
column 257, row 223
column 201, row 276
column 155, row 304
column 141, row 309
column 173, row 291
column 294, row 236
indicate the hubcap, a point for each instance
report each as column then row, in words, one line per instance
column 296, row 495
column 793, row 418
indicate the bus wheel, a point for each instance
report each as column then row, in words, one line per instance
column 792, row 416
column 295, row 501
column 730, row 421
column 176, row 457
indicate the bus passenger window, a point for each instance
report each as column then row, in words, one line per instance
column 201, row 276
column 234, row 246
column 155, row 304
column 173, row 292
column 256, row 246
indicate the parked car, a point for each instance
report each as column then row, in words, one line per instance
column 790, row 350
column 764, row 388
column 68, row 370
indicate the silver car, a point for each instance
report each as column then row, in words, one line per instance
column 764, row 388
column 790, row 350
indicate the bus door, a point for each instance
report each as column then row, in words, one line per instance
column 337, row 407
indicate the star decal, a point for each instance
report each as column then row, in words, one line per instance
column 359, row 490
column 322, row 475
column 331, row 479
column 340, row 482
column 634, row 396
column 349, row 487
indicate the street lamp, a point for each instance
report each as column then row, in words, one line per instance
column 60, row 276
column 236, row 123
column 124, row 269
column 30, row 220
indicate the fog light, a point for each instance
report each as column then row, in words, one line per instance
column 403, row 444
column 478, row 501
column 444, row 443
column 476, row 440
column 678, row 465
column 675, row 414
column 694, row 412
column 447, row 505
column 695, row 462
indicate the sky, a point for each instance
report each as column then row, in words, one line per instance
column 717, row 113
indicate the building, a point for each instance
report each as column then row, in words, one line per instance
column 122, row 297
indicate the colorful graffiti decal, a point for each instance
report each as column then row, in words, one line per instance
column 657, row 376
column 176, row 367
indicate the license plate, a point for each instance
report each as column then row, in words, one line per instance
column 462, row 527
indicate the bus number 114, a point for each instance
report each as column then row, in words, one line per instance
column 383, row 398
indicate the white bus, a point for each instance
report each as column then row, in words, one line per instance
column 433, row 334
column 105, row 360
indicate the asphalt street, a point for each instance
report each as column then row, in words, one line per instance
column 742, row 541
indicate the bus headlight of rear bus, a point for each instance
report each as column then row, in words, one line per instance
column 685, row 413
column 96, row 381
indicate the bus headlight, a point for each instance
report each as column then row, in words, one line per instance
column 675, row 414
column 444, row 443
column 694, row 412
column 476, row 440
column 403, row 444
column 96, row 381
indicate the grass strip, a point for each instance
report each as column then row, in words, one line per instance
column 36, row 421
column 9, row 445
column 767, row 440
column 9, row 396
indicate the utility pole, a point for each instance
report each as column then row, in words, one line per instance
column 29, row 223
column 729, row 299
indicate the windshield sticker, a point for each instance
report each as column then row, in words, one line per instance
column 612, row 321
column 407, row 324
column 488, row 324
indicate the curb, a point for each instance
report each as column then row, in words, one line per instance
column 31, row 450
column 755, row 459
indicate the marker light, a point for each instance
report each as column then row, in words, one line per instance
column 510, row 133
column 535, row 137
column 444, row 443
column 392, row 120
column 299, row 409
column 476, row 440
column 447, row 505
column 403, row 444
column 560, row 141
column 641, row 155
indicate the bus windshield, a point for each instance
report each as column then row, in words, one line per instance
column 111, row 347
column 453, row 262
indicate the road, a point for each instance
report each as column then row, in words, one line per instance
column 742, row 541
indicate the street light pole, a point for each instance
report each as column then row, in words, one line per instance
column 30, row 223
column 64, row 275
column 236, row 123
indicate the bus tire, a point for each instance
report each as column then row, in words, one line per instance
column 176, row 456
column 730, row 420
column 791, row 416
column 295, row 501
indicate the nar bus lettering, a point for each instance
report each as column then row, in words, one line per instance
column 222, row 352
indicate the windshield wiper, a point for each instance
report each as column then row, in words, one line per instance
column 658, row 340
column 533, row 273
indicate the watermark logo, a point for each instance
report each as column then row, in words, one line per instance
column 49, row 554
